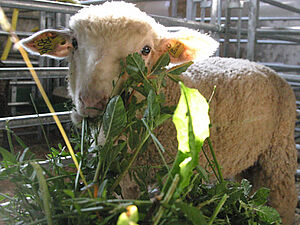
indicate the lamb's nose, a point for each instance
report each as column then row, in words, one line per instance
column 92, row 102
column 88, row 101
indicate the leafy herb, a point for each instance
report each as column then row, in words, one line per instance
column 53, row 193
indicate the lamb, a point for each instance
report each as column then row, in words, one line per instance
column 252, row 111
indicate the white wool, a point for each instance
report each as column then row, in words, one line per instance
column 110, row 11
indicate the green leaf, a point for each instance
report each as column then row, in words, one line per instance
column 114, row 119
column 260, row 197
column 153, row 107
column 179, row 69
column 162, row 62
column 203, row 173
column 8, row 156
column 135, row 67
column 192, row 124
column 192, row 213
column 45, row 196
column 245, row 184
column 69, row 193
column 23, row 155
column 192, row 110
column 268, row 215
column 162, row 118
column 174, row 78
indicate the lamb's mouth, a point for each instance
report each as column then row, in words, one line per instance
column 93, row 113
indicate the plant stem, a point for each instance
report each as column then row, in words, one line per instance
column 45, row 195
column 217, row 210
column 166, row 199
column 211, row 165
column 11, row 146
column 215, row 160
column 115, row 184
column 158, row 145
column 42, row 127
column 81, row 151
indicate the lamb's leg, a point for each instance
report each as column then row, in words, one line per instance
column 277, row 172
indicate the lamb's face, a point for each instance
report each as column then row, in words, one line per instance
column 100, row 37
column 95, row 62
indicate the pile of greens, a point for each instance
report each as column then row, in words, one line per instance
column 54, row 193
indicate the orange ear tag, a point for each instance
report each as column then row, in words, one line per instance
column 48, row 43
column 175, row 49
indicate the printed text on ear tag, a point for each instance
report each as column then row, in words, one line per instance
column 175, row 49
column 48, row 43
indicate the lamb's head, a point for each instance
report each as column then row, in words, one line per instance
column 100, row 37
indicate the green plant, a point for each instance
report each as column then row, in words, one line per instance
column 55, row 193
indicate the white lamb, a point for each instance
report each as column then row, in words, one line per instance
column 252, row 112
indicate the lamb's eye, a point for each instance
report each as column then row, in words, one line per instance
column 146, row 50
column 74, row 43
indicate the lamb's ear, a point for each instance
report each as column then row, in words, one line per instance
column 187, row 45
column 50, row 42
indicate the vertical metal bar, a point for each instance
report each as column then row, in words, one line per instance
column 14, row 98
column 58, row 24
column 42, row 27
column 216, row 18
column 202, row 14
column 252, row 26
column 238, row 37
column 227, row 26
column 219, row 11
column 42, row 63
column 67, row 19
column 190, row 10
column 214, row 11
column 174, row 8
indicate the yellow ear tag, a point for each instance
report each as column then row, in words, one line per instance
column 48, row 43
column 175, row 49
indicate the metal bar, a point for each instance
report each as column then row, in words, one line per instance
column 42, row 5
column 33, row 120
column 271, row 34
column 281, row 5
column 272, row 42
column 291, row 77
column 19, row 33
column 279, row 31
column 17, row 62
column 22, row 83
column 168, row 21
column 214, row 12
column 280, row 67
column 279, row 37
column 252, row 26
column 215, row 19
column 23, row 72
column 190, row 10
column 227, row 27
column 13, row 99
column 13, row 104
column 245, row 18
column 239, row 25
column 174, row 8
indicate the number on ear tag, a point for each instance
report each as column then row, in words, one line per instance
column 48, row 43
column 175, row 49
